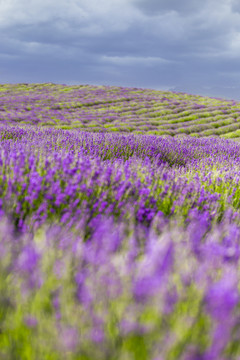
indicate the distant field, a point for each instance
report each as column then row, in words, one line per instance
column 118, row 109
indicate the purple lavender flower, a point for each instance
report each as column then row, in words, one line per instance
column 28, row 259
column 223, row 296
column 30, row 321
column 97, row 335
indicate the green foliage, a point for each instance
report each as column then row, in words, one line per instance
column 136, row 346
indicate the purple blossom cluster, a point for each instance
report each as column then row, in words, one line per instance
column 54, row 175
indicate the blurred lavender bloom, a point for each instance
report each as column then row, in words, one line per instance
column 130, row 326
column 84, row 295
column 155, row 266
column 221, row 337
column 171, row 299
column 222, row 297
column 69, row 338
column 197, row 229
column 145, row 287
column 30, row 321
column 28, row 259
column 97, row 335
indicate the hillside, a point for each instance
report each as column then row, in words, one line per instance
column 118, row 109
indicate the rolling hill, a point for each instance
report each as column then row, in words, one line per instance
column 118, row 109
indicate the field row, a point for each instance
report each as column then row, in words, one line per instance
column 50, row 174
column 116, row 109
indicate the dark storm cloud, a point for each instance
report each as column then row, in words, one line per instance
column 189, row 45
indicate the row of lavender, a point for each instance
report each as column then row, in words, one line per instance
column 59, row 175
column 118, row 109
column 118, row 247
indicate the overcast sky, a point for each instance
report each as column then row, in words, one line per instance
column 182, row 45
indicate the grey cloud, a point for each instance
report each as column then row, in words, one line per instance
column 155, row 7
column 235, row 5
column 187, row 45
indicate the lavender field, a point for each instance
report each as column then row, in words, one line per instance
column 120, row 224
column 118, row 109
